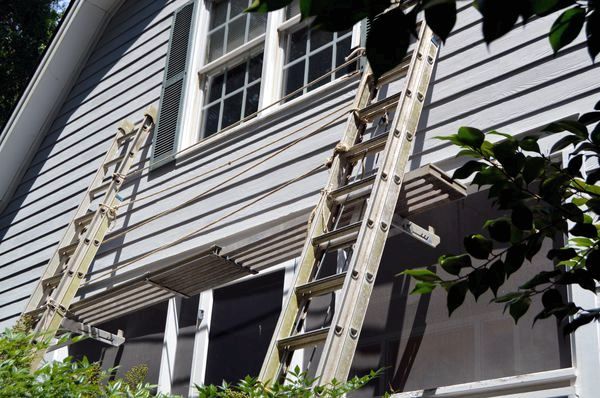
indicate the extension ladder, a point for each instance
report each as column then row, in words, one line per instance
column 49, row 304
column 367, row 237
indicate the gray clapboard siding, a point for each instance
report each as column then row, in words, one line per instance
column 472, row 85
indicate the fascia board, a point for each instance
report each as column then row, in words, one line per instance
column 49, row 87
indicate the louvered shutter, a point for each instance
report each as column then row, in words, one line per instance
column 168, row 127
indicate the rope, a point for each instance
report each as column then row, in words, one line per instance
column 354, row 56
column 220, row 184
column 189, row 235
column 230, row 162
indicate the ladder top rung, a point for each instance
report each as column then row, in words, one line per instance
column 364, row 148
column 322, row 286
column 338, row 236
column 302, row 340
column 127, row 136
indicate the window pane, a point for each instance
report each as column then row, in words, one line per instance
column 342, row 51
column 232, row 109
column 255, row 68
column 318, row 65
column 252, row 97
column 218, row 14
column 319, row 38
column 236, row 33
column 238, row 7
column 297, row 44
column 211, row 122
column 215, row 44
column 294, row 77
column 235, row 78
column 258, row 24
column 216, row 88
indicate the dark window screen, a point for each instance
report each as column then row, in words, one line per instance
column 244, row 316
column 421, row 347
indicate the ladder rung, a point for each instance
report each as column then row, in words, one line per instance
column 52, row 282
column 398, row 72
column 375, row 109
column 67, row 251
column 354, row 190
column 127, row 136
column 302, row 340
column 83, row 221
column 338, row 238
column 113, row 162
column 364, row 148
column 100, row 188
column 322, row 286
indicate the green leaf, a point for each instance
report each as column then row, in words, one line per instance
column 592, row 263
column 552, row 299
column 381, row 55
column 467, row 169
column 534, row 244
column 593, row 177
column 456, row 296
column 267, row 5
column 530, row 144
column 592, row 30
column 513, row 296
column 496, row 276
column 478, row 282
column 522, row 218
column 565, row 142
column 515, row 256
column 594, row 204
column 566, row 28
column 576, row 128
column 586, row 230
column 589, row 118
column 423, row 275
column 488, row 176
column 423, row 288
column 440, row 16
column 470, row 136
column 581, row 242
column 478, row 246
column 511, row 160
column 519, row 308
column 577, row 323
column 562, row 254
column 533, row 168
column 542, row 7
column 454, row 264
column 574, row 166
column 542, row 278
column 499, row 229
column 595, row 136
column 498, row 17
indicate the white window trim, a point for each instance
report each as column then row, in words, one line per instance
column 272, row 41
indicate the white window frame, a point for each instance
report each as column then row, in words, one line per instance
column 273, row 44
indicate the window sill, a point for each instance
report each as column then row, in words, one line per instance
column 274, row 113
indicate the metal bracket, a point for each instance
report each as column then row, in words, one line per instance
column 402, row 225
column 100, row 335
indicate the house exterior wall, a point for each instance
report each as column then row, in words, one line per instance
column 515, row 85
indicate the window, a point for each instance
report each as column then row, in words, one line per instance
column 224, row 66
column 237, row 44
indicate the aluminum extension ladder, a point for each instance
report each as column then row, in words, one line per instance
column 49, row 304
column 367, row 236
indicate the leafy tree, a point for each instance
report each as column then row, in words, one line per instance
column 25, row 29
column 67, row 378
column 542, row 199
column 498, row 18
column 297, row 384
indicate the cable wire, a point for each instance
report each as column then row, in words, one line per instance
column 189, row 235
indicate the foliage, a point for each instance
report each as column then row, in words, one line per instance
column 498, row 18
column 297, row 384
column 67, row 378
column 25, row 29
column 542, row 200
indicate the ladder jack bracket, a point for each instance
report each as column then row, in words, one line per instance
column 402, row 225
column 92, row 332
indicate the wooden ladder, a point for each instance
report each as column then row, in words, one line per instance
column 49, row 304
column 366, row 237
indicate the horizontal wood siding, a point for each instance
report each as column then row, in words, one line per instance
column 514, row 85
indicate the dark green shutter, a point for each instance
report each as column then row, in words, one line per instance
column 168, row 128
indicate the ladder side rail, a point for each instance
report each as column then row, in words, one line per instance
column 37, row 297
column 271, row 366
column 340, row 345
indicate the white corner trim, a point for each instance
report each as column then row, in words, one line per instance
column 49, row 86
column 201, row 340
column 169, row 349
column 502, row 386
